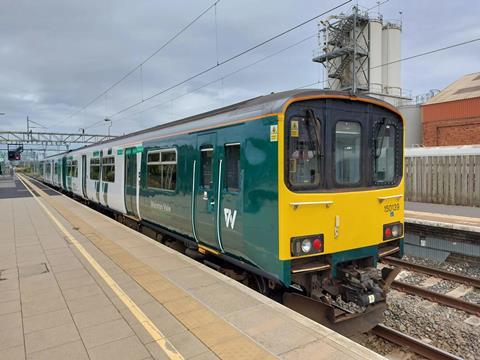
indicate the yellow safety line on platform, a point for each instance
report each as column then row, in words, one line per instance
column 149, row 326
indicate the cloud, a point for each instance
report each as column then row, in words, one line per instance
column 55, row 56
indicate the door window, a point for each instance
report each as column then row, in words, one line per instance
column 347, row 152
column 72, row 168
column 207, row 167
column 232, row 165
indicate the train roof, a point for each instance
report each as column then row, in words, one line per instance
column 262, row 105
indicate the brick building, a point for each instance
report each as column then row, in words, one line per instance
column 452, row 117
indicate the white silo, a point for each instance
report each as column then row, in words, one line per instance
column 375, row 56
column 391, row 52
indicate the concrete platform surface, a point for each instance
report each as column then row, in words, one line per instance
column 75, row 284
column 448, row 216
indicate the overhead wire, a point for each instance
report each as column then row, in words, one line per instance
column 318, row 82
column 221, row 78
column 310, row 84
column 223, row 62
column 254, row 63
column 404, row 59
column 37, row 123
column 140, row 65
column 428, row 52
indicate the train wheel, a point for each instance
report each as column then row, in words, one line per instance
column 259, row 284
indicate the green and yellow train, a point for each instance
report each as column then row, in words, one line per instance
column 298, row 193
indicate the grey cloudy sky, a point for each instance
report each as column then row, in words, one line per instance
column 57, row 55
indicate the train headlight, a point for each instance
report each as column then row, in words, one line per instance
column 392, row 231
column 395, row 231
column 306, row 245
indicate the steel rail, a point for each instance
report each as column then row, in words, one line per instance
column 463, row 279
column 415, row 345
column 443, row 299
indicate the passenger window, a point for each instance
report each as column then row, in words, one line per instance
column 162, row 169
column 95, row 169
column 232, row 167
column 347, row 152
column 108, row 169
column 207, row 167
column 304, row 150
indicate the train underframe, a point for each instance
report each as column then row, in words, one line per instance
column 348, row 297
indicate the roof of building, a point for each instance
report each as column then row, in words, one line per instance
column 467, row 87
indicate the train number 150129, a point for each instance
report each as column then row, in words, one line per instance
column 391, row 207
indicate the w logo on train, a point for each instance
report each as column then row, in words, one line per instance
column 230, row 217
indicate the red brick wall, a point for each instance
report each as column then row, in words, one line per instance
column 451, row 123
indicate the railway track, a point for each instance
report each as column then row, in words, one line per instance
column 413, row 344
column 437, row 297
column 443, row 299
column 446, row 275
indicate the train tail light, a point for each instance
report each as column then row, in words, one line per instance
column 306, row 245
column 392, row 231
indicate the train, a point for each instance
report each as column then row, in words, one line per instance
column 297, row 193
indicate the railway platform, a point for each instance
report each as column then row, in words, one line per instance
column 75, row 284
column 462, row 218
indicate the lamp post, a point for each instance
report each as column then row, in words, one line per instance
column 109, row 125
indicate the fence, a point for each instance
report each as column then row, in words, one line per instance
column 451, row 180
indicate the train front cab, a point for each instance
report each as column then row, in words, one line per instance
column 340, row 199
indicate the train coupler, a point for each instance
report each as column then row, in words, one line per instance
column 361, row 286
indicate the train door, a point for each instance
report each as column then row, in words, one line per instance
column 64, row 173
column 206, row 192
column 58, row 175
column 131, row 181
column 230, row 199
column 84, row 176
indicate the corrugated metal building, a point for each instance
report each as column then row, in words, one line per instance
column 452, row 117
column 413, row 127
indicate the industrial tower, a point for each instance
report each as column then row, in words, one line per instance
column 360, row 53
